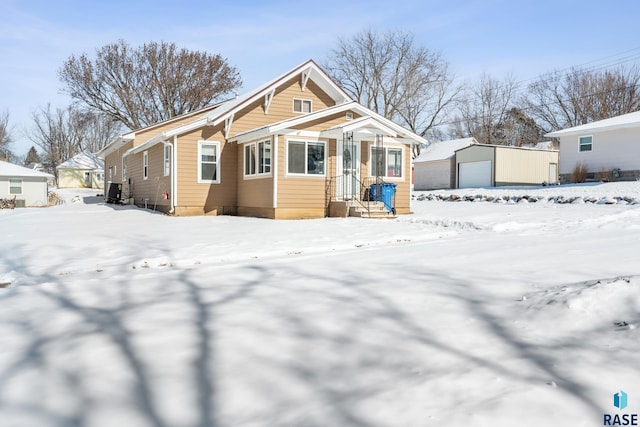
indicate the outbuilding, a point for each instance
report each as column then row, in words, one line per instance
column 484, row 165
column 27, row 186
column 83, row 170
column 435, row 167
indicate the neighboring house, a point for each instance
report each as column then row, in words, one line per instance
column 27, row 186
column 83, row 170
column 610, row 145
column 435, row 167
column 292, row 148
column 483, row 165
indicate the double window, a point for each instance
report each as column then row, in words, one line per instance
column 386, row 162
column 586, row 143
column 306, row 157
column 257, row 158
column 301, row 105
column 15, row 186
column 208, row 162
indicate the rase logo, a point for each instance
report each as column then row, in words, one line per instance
column 620, row 402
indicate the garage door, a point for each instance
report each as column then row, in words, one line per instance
column 475, row 174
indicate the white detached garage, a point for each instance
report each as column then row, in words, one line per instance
column 435, row 167
column 483, row 165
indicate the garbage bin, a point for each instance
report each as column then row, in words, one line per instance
column 385, row 193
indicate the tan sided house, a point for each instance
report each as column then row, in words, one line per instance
column 297, row 147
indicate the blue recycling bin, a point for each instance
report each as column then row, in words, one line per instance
column 384, row 193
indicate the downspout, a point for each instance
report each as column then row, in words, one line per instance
column 274, row 170
column 172, row 170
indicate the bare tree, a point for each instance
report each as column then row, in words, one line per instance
column 485, row 109
column 5, row 137
column 143, row 86
column 560, row 100
column 63, row 133
column 392, row 76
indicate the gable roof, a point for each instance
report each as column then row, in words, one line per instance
column 121, row 140
column 630, row 120
column 11, row 170
column 369, row 120
column 83, row 161
column 443, row 150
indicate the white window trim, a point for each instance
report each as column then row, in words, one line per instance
column 580, row 144
column 386, row 153
column 145, row 164
column 21, row 186
column 244, row 160
column 306, row 163
column 199, row 163
column 166, row 164
column 124, row 168
column 302, row 101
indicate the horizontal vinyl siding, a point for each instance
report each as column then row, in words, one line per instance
column 433, row 175
column 115, row 160
column 518, row 166
column 34, row 190
column 255, row 190
column 155, row 185
column 613, row 149
column 206, row 195
column 303, row 192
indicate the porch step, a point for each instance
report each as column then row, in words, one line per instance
column 376, row 210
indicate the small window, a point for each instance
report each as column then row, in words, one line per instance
column 386, row 162
column 301, row 105
column 167, row 160
column 145, row 164
column 111, row 172
column 208, row 162
column 124, row 169
column 306, row 157
column 15, row 186
column 257, row 158
column 586, row 143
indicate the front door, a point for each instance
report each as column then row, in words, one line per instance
column 348, row 168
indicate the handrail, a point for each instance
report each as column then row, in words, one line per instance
column 362, row 197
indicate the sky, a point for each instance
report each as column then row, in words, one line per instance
column 264, row 39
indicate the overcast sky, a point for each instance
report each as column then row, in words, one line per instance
column 264, row 39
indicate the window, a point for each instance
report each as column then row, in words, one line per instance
column 386, row 162
column 124, row 169
column 586, row 143
column 306, row 157
column 167, row 160
column 257, row 158
column 301, row 105
column 145, row 164
column 15, row 186
column 208, row 162
column 111, row 172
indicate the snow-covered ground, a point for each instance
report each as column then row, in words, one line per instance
column 462, row 314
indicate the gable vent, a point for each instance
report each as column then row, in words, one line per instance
column 349, row 115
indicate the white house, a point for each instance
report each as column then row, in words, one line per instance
column 435, row 167
column 29, row 187
column 608, row 146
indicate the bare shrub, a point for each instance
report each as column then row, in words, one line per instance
column 579, row 173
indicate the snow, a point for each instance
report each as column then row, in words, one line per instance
column 11, row 170
column 83, row 161
column 463, row 313
column 443, row 150
column 629, row 120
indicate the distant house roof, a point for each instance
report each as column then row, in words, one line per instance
column 544, row 145
column 443, row 150
column 83, row 161
column 11, row 170
column 629, row 120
